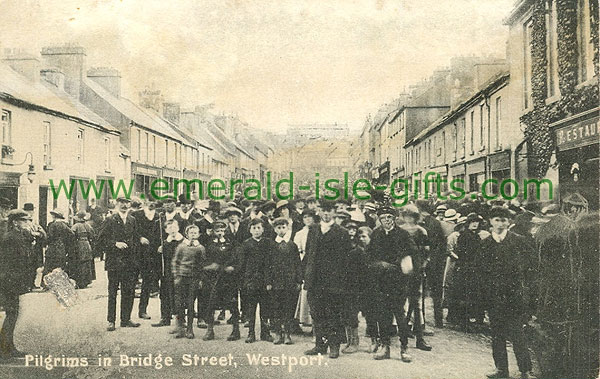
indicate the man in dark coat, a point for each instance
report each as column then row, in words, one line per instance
column 39, row 234
column 390, row 262
column 120, row 240
column 509, row 271
column 15, row 250
column 437, row 254
column 148, row 229
column 326, row 279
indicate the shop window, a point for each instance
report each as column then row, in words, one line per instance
column 473, row 182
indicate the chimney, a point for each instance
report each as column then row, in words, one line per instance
column 54, row 76
column 23, row 63
column 70, row 59
column 108, row 77
column 171, row 112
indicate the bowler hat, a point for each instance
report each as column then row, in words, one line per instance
column 28, row 207
column 80, row 216
column 451, row 215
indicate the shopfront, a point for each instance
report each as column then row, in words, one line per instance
column 475, row 175
column 499, row 170
column 144, row 176
column 578, row 155
column 9, row 188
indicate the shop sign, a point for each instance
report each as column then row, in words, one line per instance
column 580, row 134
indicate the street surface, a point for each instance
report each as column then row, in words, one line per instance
column 45, row 328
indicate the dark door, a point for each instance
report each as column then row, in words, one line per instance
column 43, row 208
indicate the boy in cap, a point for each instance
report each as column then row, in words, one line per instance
column 286, row 279
column 186, row 267
column 509, row 272
column 256, row 260
column 220, row 280
column 15, row 249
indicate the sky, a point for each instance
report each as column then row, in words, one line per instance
column 273, row 63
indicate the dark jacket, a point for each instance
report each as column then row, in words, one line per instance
column 256, row 260
column 15, row 249
column 286, row 267
column 509, row 272
column 328, row 256
column 168, row 251
column 61, row 244
column 188, row 260
column 113, row 231
column 391, row 248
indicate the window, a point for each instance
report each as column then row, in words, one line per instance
column 145, row 147
column 47, row 143
column 139, row 145
column 80, row 146
column 472, row 131
column 176, row 154
column 443, row 147
column 498, row 120
column 455, row 139
column 153, row 148
column 481, row 126
column 6, row 128
column 527, row 37
column 166, row 152
column 106, row 154
column 584, row 42
column 463, row 137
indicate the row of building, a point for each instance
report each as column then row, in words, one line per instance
column 64, row 121
column 531, row 115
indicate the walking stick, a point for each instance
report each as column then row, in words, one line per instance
column 162, row 256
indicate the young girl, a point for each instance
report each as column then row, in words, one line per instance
column 186, row 267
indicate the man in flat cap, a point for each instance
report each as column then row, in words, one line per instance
column 120, row 240
column 390, row 254
column 327, row 280
column 509, row 298
column 15, row 249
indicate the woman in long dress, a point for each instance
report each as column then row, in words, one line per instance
column 83, row 234
column 302, row 309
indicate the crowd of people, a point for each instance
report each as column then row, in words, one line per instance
column 521, row 271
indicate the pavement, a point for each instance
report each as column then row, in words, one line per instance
column 55, row 336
